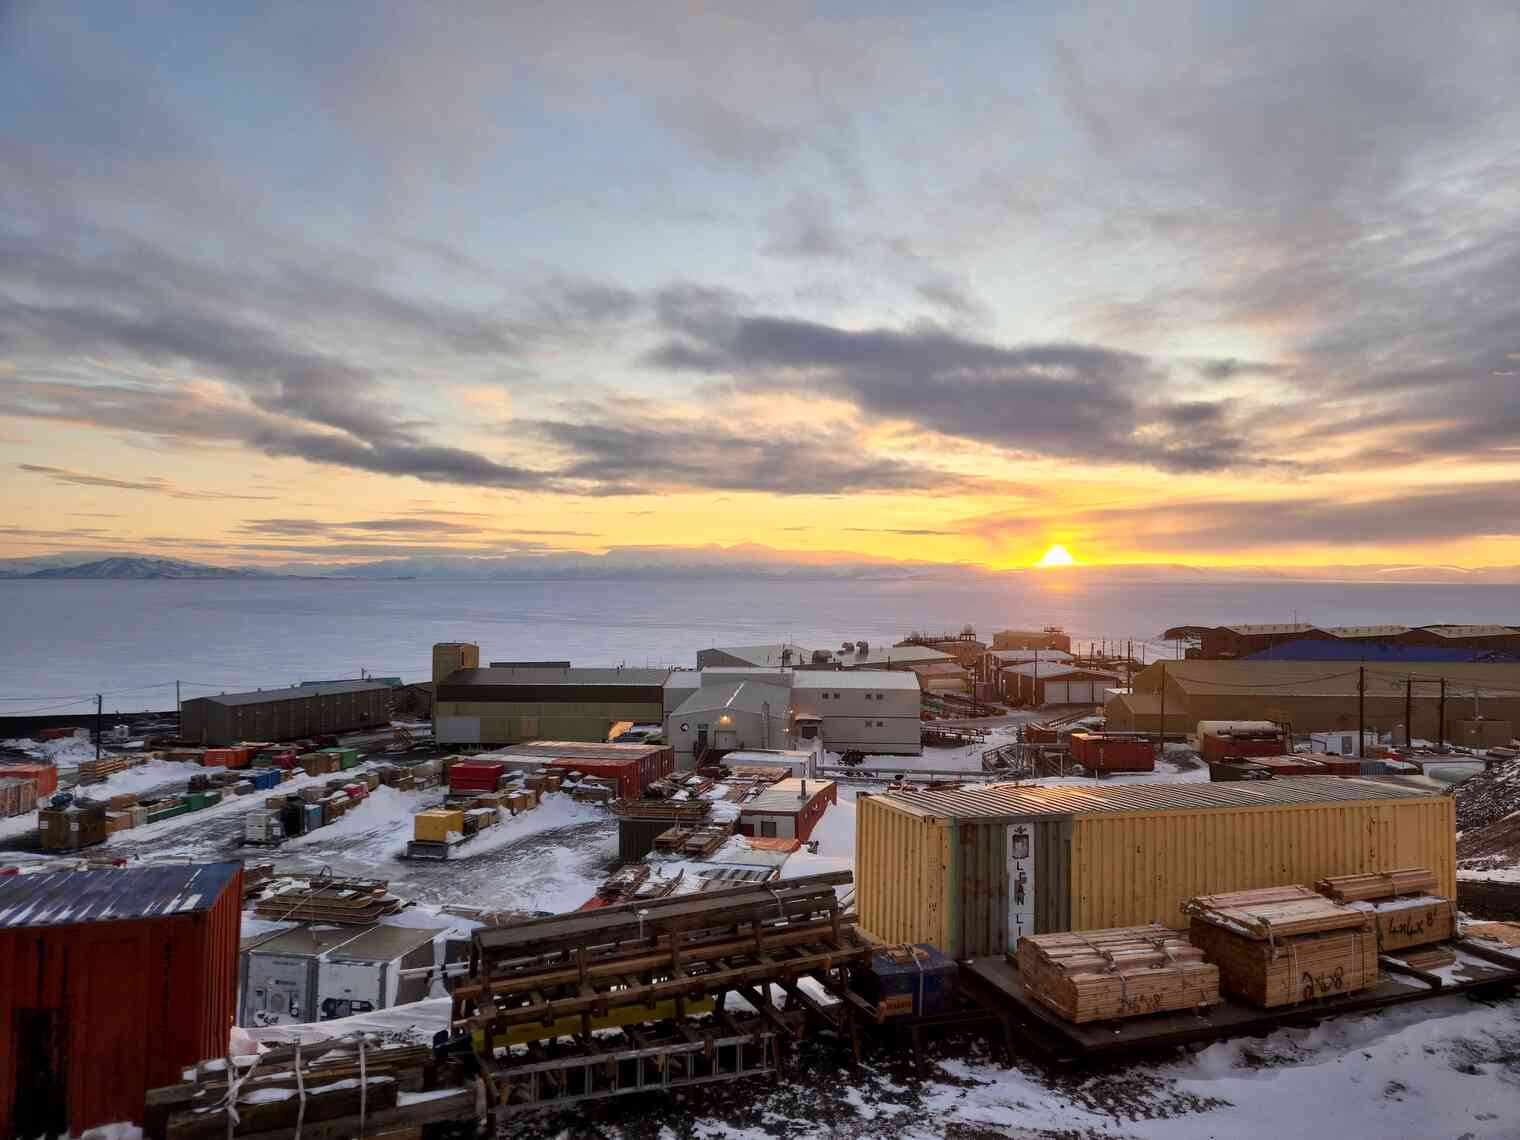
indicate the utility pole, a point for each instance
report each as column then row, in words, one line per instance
column 1161, row 728
column 1409, row 712
column 98, row 730
column 1361, row 712
column 179, row 708
column 1441, row 728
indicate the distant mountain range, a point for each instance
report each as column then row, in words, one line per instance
column 746, row 560
column 128, row 568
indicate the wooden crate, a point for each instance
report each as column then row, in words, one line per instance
column 1095, row 975
column 1291, row 970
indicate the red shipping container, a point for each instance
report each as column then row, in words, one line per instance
column 1291, row 764
column 625, row 774
column 1336, row 765
column 1102, row 752
column 1224, row 745
column 83, row 1047
column 475, row 775
column 43, row 734
column 45, row 774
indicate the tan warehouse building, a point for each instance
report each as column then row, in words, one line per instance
column 509, row 703
column 1314, row 696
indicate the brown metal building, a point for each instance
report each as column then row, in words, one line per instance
column 286, row 714
column 1234, row 641
column 1315, row 696
column 111, row 982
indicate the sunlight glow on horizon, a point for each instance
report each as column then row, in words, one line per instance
column 1057, row 555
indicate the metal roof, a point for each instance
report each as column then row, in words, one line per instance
column 60, row 898
column 1278, row 627
column 775, row 654
column 994, row 802
column 1469, row 630
column 850, row 679
column 299, row 692
column 742, row 696
column 539, row 675
column 785, row 796
column 385, row 943
column 1366, row 630
column 890, row 655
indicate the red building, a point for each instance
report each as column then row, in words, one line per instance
column 788, row 809
column 111, row 982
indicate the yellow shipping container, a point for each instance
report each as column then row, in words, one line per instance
column 972, row 870
column 434, row 826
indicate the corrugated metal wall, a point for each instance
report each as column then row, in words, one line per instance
column 902, row 869
column 946, row 882
column 94, row 1014
column 1134, row 868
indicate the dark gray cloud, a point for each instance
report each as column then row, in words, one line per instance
column 155, row 485
column 1050, row 399
column 622, row 455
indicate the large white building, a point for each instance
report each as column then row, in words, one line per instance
column 724, row 709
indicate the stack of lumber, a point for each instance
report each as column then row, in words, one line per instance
column 705, row 840
column 676, row 811
column 95, row 771
column 320, row 1085
column 356, row 902
column 1378, row 885
column 1431, row 958
column 1095, row 975
column 1506, row 934
column 1284, row 945
column 1403, row 904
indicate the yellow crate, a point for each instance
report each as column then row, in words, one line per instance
column 434, row 826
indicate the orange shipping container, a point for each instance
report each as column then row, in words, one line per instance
column 45, row 774
column 81, row 1048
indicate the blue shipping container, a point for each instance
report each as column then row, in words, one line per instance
column 313, row 816
column 910, row 980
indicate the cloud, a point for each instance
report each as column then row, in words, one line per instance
column 154, row 484
column 619, row 454
column 1045, row 399
column 1224, row 525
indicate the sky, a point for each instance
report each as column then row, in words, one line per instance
column 1214, row 283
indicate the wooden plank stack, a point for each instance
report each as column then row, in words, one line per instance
column 353, row 901
column 1405, row 909
column 1278, row 946
column 1378, row 885
column 1095, row 975
column 270, row 1094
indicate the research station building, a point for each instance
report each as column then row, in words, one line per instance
column 510, row 703
column 312, row 709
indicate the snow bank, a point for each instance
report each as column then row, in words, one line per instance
column 65, row 753
column 383, row 812
column 554, row 811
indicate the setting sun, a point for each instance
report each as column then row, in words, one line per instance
column 1057, row 555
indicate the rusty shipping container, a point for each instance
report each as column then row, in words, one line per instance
column 45, row 774
column 111, row 981
column 972, row 870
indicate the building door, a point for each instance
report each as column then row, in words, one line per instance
column 39, row 1105
column 768, row 829
column 1020, row 841
column 701, row 739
